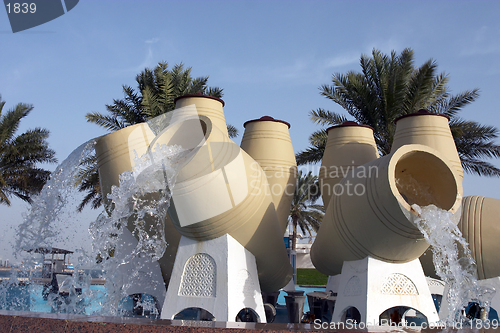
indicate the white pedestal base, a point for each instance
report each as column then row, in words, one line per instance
column 218, row 276
column 333, row 283
column 373, row 286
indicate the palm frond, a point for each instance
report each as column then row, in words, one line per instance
column 214, row 91
column 311, row 155
column 108, row 122
column 20, row 156
column 9, row 123
column 232, row 131
column 480, row 168
column 454, row 104
column 420, row 87
column 324, row 117
column 31, row 147
column 318, row 138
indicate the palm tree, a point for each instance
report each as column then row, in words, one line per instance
column 390, row 86
column 20, row 154
column 304, row 212
column 156, row 91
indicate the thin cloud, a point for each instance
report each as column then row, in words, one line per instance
column 301, row 70
column 297, row 70
column 483, row 42
column 147, row 62
column 342, row 60
column 481, row 50
column 152, row 40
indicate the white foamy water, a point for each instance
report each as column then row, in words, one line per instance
column 452, row 260
column 127, row 240
column 43, row 227
column 40, row 226
column 139, row 206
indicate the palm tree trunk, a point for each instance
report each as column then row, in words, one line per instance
column 294, row 234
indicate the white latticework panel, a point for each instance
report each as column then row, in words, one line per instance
column 398, row 284
column 353, row 287
column 199, row 276
column 435, row 283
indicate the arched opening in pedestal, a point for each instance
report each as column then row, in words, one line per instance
column 139, row 305
column 437, row 299
column 247, row 315
column 473, row 311
column 194, row 314
column 351, row 314
column 399, row 315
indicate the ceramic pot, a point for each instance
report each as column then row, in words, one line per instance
column 373, row 216
column 430, row 129
column 268, row 142
column 208, row 106
column 221, row 190
column 116, row 153
column 348, row 146
column 481, row 230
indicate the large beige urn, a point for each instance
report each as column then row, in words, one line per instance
column 209, row 106
column 268, row 142
column 115, row 154
column 373, row 216
column 480, row 226
column 430, row 129
column 348, row 146
column 221, row 190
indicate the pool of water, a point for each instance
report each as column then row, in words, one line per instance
column 30, row 298
column 90, row 305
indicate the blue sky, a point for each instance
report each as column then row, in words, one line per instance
column 269, row 56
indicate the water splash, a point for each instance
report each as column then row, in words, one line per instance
column 127, row 241
column 40, row 226
column 413, row 191
column 453, row 261
column 139, row 206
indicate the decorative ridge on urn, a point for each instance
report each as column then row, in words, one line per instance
column 267, row 118
column 347, row 124
column 421, row 112
column 199, row 95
